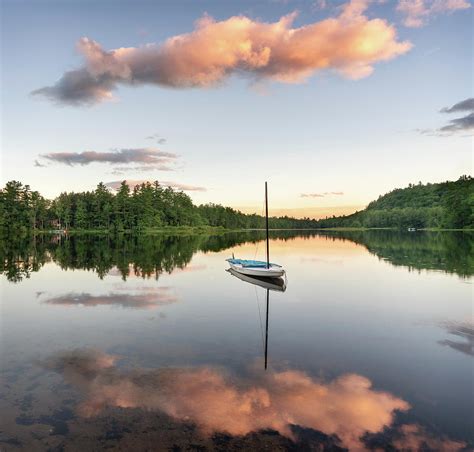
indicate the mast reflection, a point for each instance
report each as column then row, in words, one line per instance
column 275, row 284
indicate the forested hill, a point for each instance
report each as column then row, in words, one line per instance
column 441, row 205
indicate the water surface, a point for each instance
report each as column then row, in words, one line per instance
column 148, row 343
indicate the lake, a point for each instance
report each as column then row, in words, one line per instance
column 147, row 343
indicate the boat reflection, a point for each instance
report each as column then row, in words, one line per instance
column 276, row 284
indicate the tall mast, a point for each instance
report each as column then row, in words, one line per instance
column 266, row 225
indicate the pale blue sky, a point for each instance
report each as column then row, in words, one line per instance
column 327, row 134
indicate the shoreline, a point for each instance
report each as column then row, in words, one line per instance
column 181, row 230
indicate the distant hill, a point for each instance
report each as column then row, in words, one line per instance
column 447, row 205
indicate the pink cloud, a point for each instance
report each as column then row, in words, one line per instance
column 312, row 195
column 115, row 185
column 321, row 195
column 417, row 12
column 349, row 44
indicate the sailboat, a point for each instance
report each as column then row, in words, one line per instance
column 258, row 268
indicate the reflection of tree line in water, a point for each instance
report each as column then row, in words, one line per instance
column 142, row 255
column 452, row 252
column 150, row 255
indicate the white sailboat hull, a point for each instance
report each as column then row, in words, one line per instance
column 275, row 271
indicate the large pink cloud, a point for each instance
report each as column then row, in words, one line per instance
column 349, row 44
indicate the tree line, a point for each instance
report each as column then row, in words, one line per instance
column 448, row 205
column 146, row 206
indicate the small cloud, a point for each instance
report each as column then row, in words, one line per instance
column 115, row 185
column 320, row 4
column 432, row 51
column 312, row 195
column 349, row 43
column 463, row 124
column 321, row 195
column 184, row 187
column 37, row 164
column 456, row 125
column 128, row 169
column 158, row 138
column 147, row 158
column 143, row 32
column 418, row 12
column 464, row 105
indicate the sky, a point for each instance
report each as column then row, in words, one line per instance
column 332, row 102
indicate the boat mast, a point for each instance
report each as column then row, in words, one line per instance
column 266, row 225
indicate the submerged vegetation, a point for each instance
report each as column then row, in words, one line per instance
column 150, row 207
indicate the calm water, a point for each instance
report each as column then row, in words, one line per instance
column 149, row 344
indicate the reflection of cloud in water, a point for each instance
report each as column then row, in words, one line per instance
column 415, row 438
column 190, row 268
column 348, row 406
column 322, row 260
column 464, row 330
column 148, row 298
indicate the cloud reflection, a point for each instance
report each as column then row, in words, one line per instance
column 218, row 402
column 413, row 437
column 464, row 330
column 148, row 298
